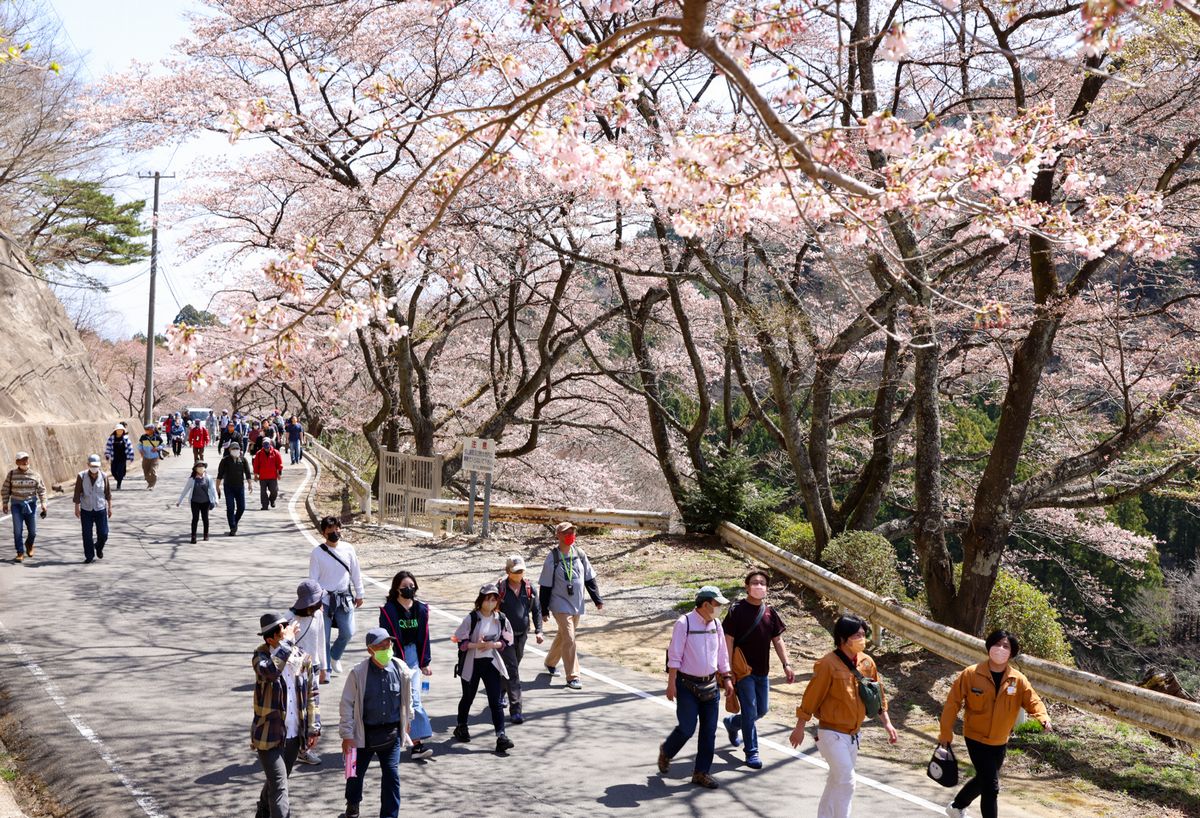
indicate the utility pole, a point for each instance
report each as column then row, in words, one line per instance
column 148, row 401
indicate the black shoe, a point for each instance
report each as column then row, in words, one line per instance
column 272, row 504
column 193, row 539
column 462, row 733
column 99, row 553
column 517, row 718
column 87, row 561
column 351, row 810
column 233, row 531
column 553, row 671
column 419, row 751
column 503, row 744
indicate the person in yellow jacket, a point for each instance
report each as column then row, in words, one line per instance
column 832, row 697
column 994, row 694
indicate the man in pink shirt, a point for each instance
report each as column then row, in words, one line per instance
column 697, row 669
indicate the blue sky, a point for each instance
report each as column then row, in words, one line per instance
column 108, row 34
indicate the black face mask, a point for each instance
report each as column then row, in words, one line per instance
column 408, row 593
column 333, row 536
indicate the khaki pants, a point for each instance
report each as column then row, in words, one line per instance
column 563, row 646
column 150, row 471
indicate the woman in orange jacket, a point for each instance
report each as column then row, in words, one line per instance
column 832, row 696
column 994, row 694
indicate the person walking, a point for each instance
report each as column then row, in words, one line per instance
column 93, row 508
column 23, row 489
column 752, row 627
column 295, row 439
column 177, row 435
column 201, row 490
column 268, row 466
column 210, row 424
column 229, row 434
column 118, row 451
column 518, row 603
column 243, row 431
column 833, row 697
column 150, row 446
column 334, row 566
column 566, row 572
column 376, row 711
column 406, row 618
column 994, row 693
column 310, row 638
column 481, row 637
column 697, row 669
column 198, row 439
column 287, row 710
column 233, row 475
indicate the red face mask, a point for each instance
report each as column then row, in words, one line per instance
column 568, row 538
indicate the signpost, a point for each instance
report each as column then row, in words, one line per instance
column 479, row 457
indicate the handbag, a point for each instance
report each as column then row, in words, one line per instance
column 943, row 767
column 868, row 689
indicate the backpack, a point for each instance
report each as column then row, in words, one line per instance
column 462, row 652
column 688, row 624
column 503, row 586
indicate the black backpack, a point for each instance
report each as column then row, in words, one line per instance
column 462, row 652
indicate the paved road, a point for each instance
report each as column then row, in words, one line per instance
column 133, row 674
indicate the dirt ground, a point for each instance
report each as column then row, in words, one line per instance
column 648, row 580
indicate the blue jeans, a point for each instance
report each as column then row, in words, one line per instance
column 24, row 515
column 235, row 504
column 99, row 521
column 294, row 447
column 420, row 728
column 345, row 625
column 753, row 693
column 389, row 760
column 688, row 711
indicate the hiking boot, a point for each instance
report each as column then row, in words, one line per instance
column 420, row 751
column 29, row 549
column 753, row 761
column 462, row 733
column 308, row 757
column 193, row 539
column 503, row 744
column 19, row 558
column 351, row 810
column 552, row 671
column 704, row 780
column 574, row 684
column 664, row 763
column 734, row 738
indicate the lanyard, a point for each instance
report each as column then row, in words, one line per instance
column 568, row 566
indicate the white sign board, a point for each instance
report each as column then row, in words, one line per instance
column 479, row 455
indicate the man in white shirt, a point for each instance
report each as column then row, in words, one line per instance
column 334, row 566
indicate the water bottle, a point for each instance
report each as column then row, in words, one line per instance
column 424, row 686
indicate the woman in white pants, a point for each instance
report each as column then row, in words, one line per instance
column 833, row 697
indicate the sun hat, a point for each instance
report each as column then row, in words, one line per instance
column 268, row 621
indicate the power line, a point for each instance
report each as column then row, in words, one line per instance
column 62, row 26
column 171, row 287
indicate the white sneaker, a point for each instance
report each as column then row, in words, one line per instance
column 337, row 666
column 954, row 812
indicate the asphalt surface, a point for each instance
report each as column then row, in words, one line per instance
column 131, row 684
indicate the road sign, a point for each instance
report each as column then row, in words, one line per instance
column 479, row 455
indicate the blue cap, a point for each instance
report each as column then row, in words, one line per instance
column 377, row 635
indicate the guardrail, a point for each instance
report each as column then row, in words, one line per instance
column 504, row 512
column 360, row 488
column 1147, row 709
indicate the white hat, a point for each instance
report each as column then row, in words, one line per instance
column 22, row 456
column 118, row 428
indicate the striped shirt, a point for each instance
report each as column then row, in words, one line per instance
column 20, row 485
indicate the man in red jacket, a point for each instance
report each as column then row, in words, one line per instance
column 198, row 440
column 268, row 465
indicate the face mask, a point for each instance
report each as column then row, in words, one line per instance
column 408, row 593
column 333, row 536
column 488, row 607
column 756, row 591
column 999, row 654
column 384, row 655
column 569, row 538
column 93, row 469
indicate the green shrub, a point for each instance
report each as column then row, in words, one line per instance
column 728, row 491
column 865, row 559
column 796, row 537
column 1019, row 607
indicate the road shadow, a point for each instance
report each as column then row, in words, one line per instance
column 229, row 774
column 633, row 796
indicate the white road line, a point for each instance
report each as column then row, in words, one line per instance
column 143, row 798
column 916, row 800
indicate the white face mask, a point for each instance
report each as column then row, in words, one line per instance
column 756, row 591
column 999, row 654
column 94, row 469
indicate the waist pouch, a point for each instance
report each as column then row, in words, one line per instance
column 703, row 688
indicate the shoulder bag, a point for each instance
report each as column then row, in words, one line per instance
column 868, row 689
column 341, row 600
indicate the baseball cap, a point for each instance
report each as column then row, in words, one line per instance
column 711, row 592
column 377, row 635
column 514, row 564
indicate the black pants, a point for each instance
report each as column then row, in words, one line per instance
column 199, row 510
column 119, row 464
column 493, row 683
column 268, row 491
column 985, row 786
